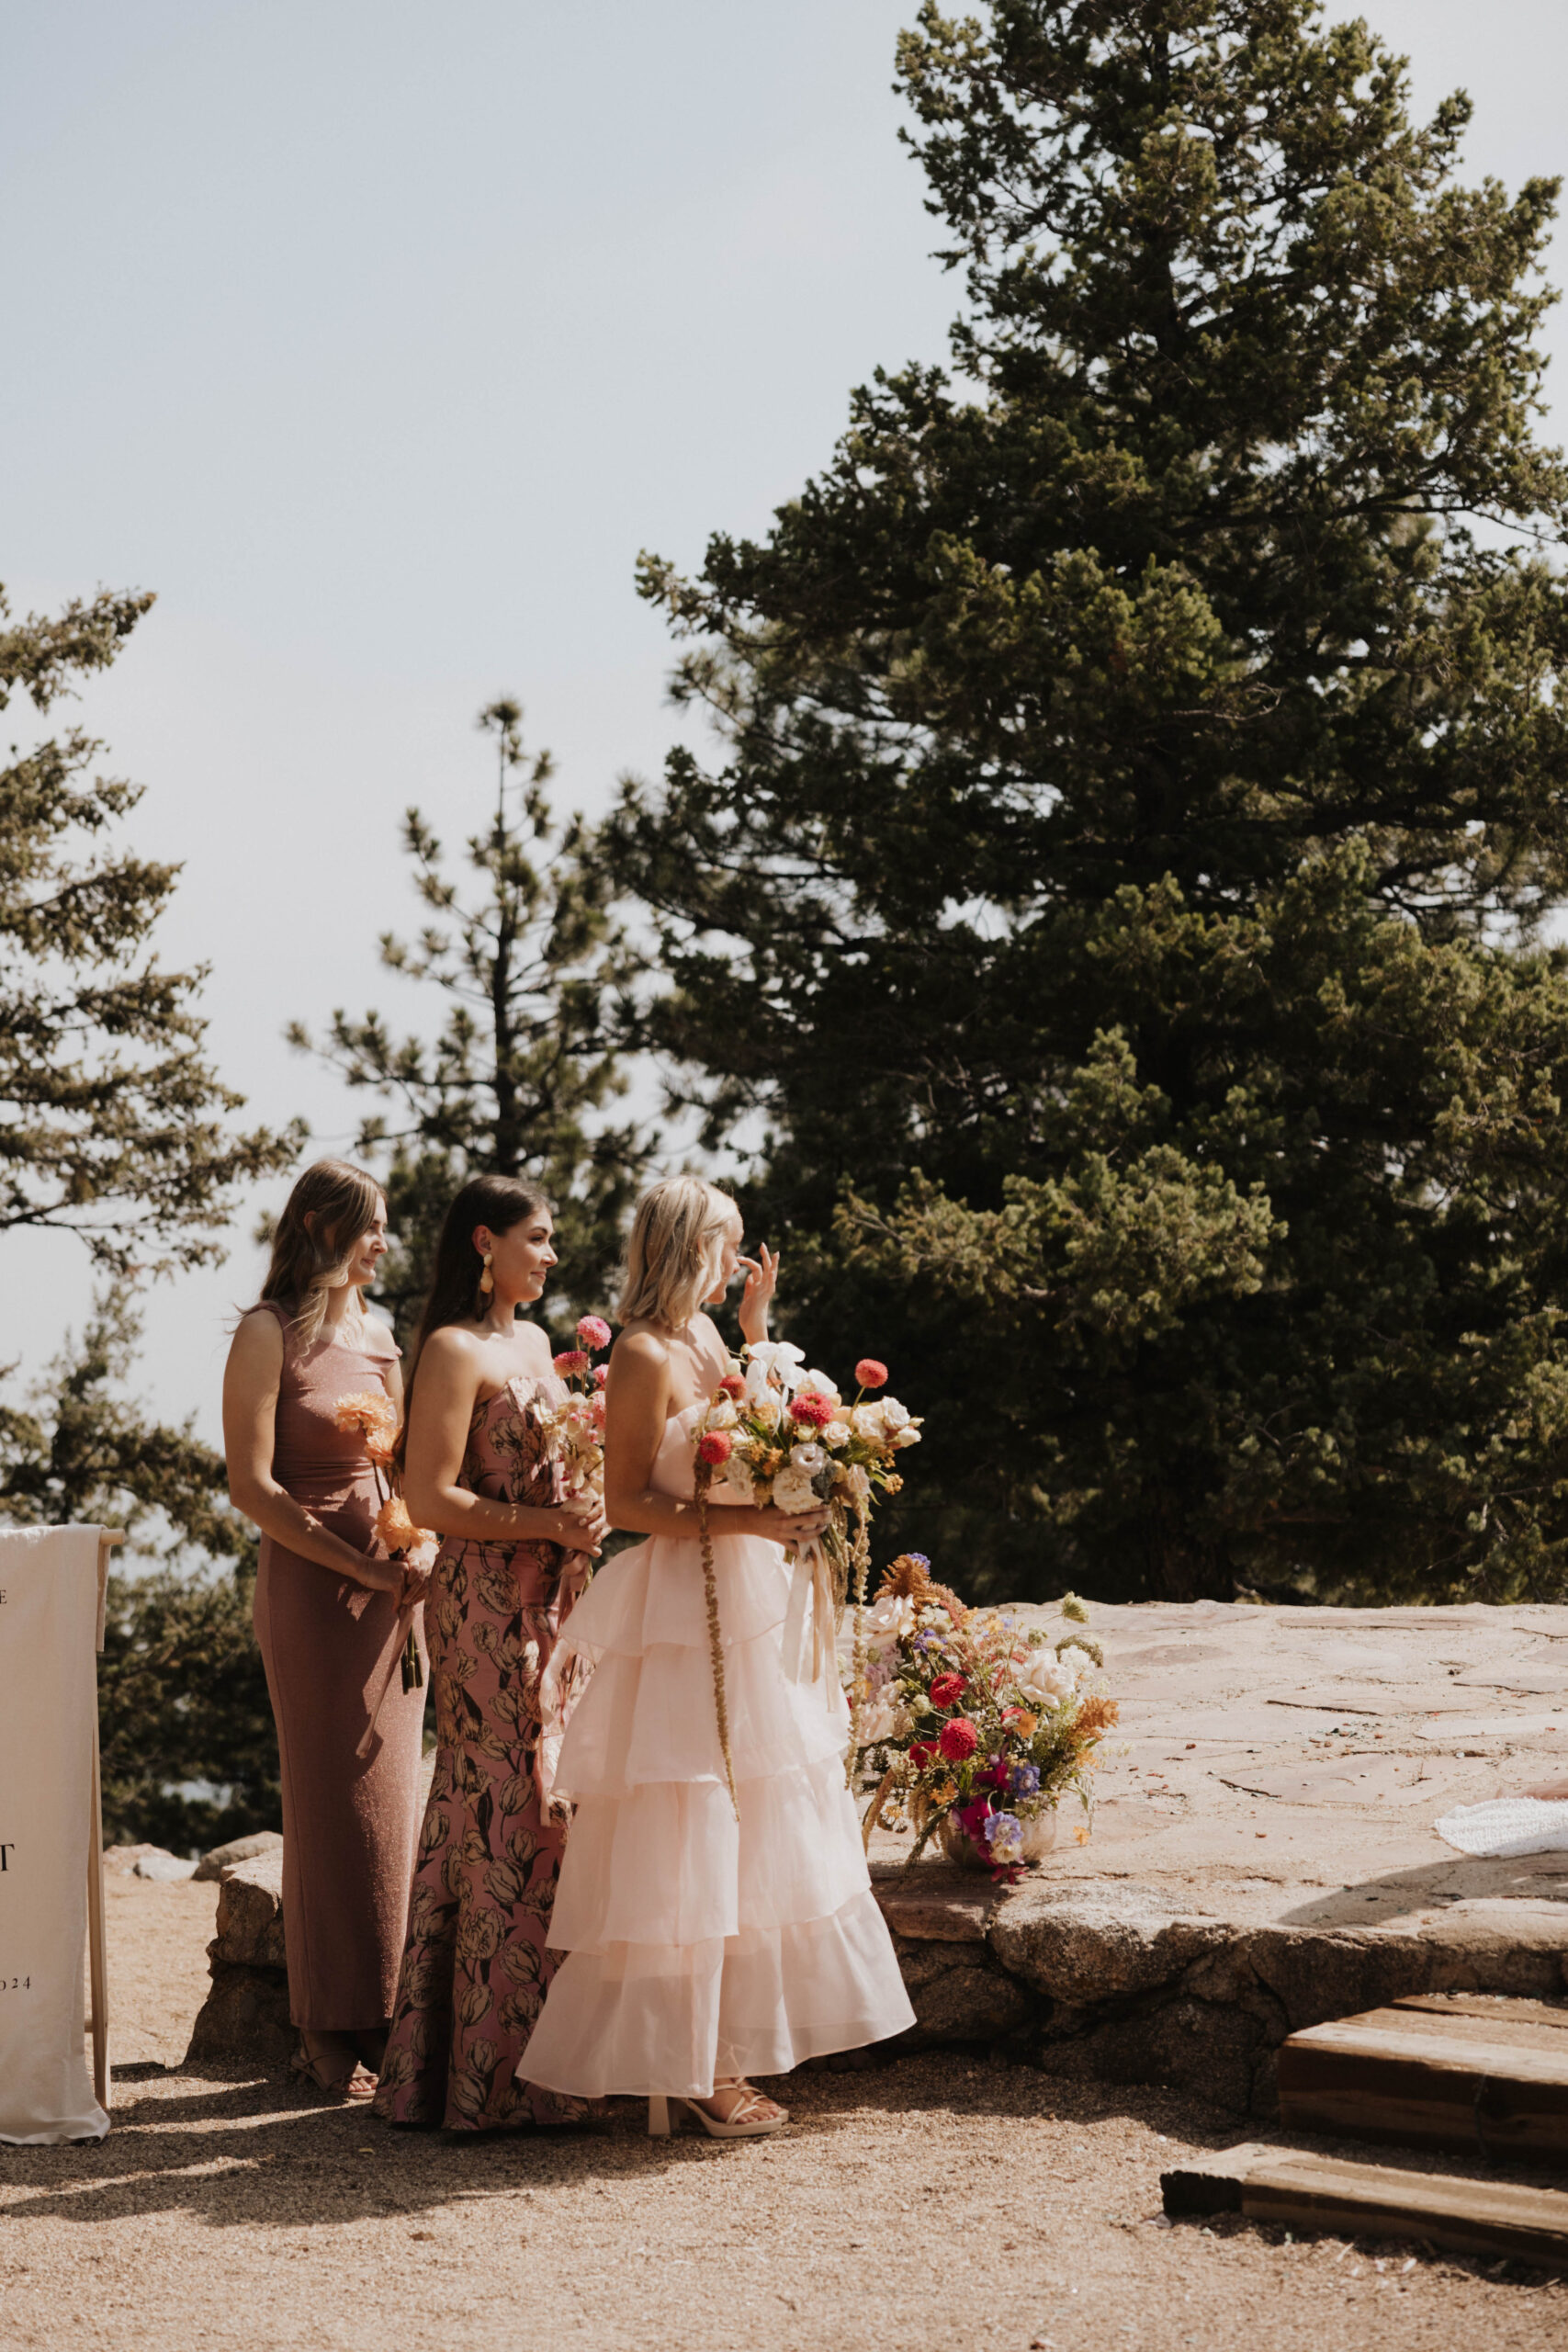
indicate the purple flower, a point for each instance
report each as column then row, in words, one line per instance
column 1004, row 1835
column 919, row 1558
column 1025, row 1780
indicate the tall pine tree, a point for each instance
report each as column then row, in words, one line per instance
column 1145, row 776
column 535, row 974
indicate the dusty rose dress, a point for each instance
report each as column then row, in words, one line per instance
column 476, row 1966
column 331, row 1648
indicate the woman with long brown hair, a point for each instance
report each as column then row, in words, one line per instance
column 333, row 1614
column 515, row 1556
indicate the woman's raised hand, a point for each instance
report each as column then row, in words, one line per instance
column 761, row 1282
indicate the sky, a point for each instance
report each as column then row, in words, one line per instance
column 378, row 340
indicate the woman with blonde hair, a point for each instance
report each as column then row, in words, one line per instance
column 333, row 1614
column 707, row 1937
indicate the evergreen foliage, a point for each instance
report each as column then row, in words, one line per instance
column 181, row 1693
column 1145, row 773
column 112, row 1125
column 536, row 972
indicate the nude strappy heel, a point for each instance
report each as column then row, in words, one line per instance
column 747, row 2121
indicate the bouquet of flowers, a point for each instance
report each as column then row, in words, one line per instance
column 974, row 1728
column 773, row 1434
column 574, row 1430
column 372, row 1412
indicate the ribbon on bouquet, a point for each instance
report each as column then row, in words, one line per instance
column 812, row 1581
column 405, row 1623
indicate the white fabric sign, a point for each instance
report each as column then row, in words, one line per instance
column 50, row 1626
column 1507, row 1826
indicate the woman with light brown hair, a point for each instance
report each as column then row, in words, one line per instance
column 332, row 1615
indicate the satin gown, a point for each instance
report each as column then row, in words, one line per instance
column 696, row 1945
column 332, row 1650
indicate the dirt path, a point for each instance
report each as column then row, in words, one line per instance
column 932, row 2204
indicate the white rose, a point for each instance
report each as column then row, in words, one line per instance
column 889, row 1619
column 836, row 1436
column 894, row 1415
column 792, row 1490
column 1043, row 1676
column 1081, row 1662
column 877, row 1721
column 723, row 1416
column 910, row 1436
column 807, row 1457
column 865, row 1421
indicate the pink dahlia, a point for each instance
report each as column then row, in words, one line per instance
column 812, row 1411
column 870, row 1374
column 714, row 1446
column 572, row 1363
column 593, row 1331
column 947, row 1689
column 959, row 1740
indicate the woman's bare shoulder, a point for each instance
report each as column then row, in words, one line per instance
column 450, row 1349
column 643, row 1345
column 259, row 1336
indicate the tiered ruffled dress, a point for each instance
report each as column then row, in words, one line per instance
column 698, row 1946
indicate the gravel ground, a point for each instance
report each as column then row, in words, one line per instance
column 938, row 2201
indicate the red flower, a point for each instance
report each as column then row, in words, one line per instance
column 570, row 1364
column 732, row 1386
column 812, row 1411
column 921, row 1754
column 947, row 1689
column 714, row 1446
column 870, row 1374
column 959, row 1740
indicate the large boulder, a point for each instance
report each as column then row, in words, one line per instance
column 245, row 2015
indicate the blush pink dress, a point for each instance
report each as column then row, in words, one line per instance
column 695, row 1945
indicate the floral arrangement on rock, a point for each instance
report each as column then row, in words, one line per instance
column 973, row 1728
column 772, row 1433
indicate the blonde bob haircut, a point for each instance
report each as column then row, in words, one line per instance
column 673, row 1256
column 326, row 1216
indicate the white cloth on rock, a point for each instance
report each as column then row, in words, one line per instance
column 699, row 1945
column 51, row 1627
column 1507, row 1825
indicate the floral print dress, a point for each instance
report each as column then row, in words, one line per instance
column 474, row 1965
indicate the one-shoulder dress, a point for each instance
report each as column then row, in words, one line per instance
column 476, row 1963
column 697, row 1945
column 331, row 1648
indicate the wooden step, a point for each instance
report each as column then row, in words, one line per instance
column 1434, row 2071
column 1329, row 2193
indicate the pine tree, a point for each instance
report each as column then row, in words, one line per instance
column 1145, row 780
column 112, row 1125
column 537, row 974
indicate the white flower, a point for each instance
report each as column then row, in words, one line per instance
column 836, row 1436
column 1044, row 1676
column 1079, row 1660
column 772, row 1360
column 889, row 1619
column 807, row 1457
column 865, row 1421
column 793, row 1489
column 822, row 1385
column 859, row 1483
column 877, row 1721
column 894, row 1415
column 910, row 1436
column 723, row 1416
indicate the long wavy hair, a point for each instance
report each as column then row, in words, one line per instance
column 673, row 1256
column 454, row 1297
column 326, row 1215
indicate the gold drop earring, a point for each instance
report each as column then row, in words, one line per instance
column 487, row 1279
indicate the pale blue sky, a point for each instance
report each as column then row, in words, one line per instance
column 378, row 340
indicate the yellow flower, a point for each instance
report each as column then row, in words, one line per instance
column 1081, row 1835
column 944, row 1792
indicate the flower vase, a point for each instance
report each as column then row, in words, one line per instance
column 1039, row 1837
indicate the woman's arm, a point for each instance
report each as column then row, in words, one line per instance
column 251, row 1383
column 445, row 1396
column 637, row 1405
